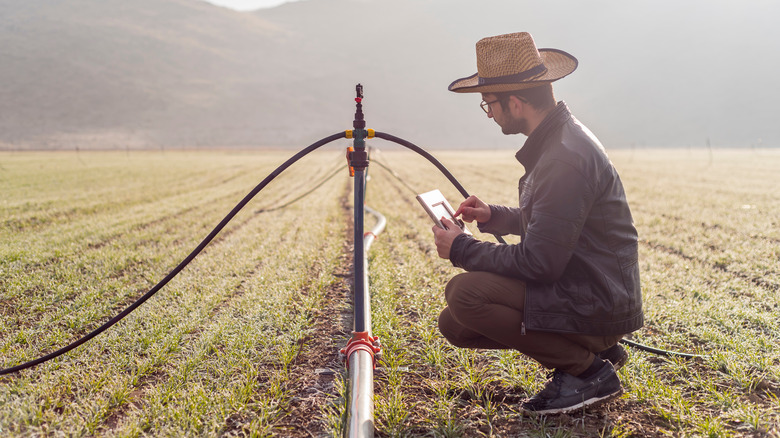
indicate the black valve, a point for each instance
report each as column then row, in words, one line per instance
column 359, row 122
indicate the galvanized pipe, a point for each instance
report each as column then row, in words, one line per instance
column 360, row 421
column 361, row 393
column 368, row 238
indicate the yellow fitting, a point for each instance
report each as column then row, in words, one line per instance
column 371, row 133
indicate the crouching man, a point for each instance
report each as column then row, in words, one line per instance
column 569, row 291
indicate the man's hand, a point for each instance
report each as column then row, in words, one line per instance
column 473, row 208
column 444, row 238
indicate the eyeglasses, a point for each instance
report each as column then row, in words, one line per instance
column 486, row 105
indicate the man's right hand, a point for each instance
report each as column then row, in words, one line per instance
column 473, row 208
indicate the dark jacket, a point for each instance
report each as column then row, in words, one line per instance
column 578, row 254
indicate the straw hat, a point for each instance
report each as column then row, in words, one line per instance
column 512, row 62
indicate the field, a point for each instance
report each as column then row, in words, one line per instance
column 244, row 342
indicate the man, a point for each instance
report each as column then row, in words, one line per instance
column 569, row 291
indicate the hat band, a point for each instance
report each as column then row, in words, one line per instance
column 517, row 77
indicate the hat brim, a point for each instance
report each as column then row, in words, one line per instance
column 559, row 64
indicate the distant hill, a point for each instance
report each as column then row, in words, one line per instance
column 185, row 73
column 104, row 72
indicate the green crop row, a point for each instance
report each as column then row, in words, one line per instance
column 244, row 342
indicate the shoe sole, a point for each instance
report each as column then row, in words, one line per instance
column 590, row 402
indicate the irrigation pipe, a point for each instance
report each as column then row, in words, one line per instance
column 434, row 161
column 660, row 352
column 183, row 263
column 360, row 420
column 360, row 358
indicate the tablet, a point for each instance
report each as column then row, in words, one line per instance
column 436, row 205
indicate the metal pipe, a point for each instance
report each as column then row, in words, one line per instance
column 359, row 324
column 368, row 238
column 360, row 352
column 361, row 392
column 360, row 421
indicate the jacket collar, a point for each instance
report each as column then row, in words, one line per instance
column 533, row 147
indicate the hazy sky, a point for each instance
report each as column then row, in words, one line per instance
column 662, row 73
column 248, row 5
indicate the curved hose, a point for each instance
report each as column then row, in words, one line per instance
column 235, row 211
column 435, row 162
column 658, row 351
column 184, row 262
column 428, row 156
column 465, row 194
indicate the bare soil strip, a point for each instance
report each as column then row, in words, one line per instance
column 319, row 363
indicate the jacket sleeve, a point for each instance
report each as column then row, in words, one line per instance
column 561, row 200
column 503, row 220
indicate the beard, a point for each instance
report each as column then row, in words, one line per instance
column 515, row 126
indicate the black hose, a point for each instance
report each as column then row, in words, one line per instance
column 430, row 158
column 658, row 351
column 181, row 265
column 435, row 162
column 235, row 211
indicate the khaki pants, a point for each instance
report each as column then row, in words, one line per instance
column 485, row 310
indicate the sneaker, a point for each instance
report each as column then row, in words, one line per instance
column 565, row 393
column 616, row 354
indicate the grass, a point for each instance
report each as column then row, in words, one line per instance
column 230, row 347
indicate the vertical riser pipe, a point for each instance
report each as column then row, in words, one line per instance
column 358, row 261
